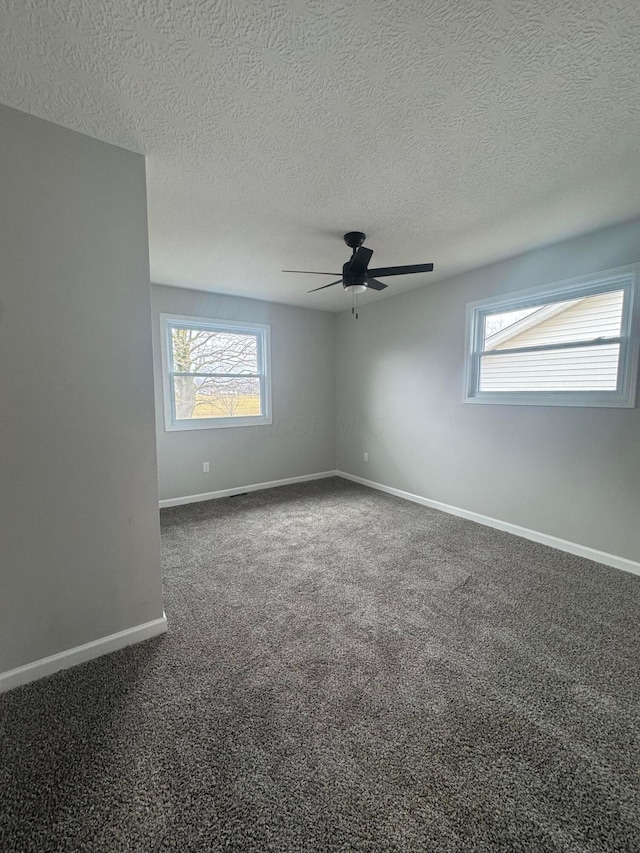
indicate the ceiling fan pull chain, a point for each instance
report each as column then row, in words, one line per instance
column 356, row 306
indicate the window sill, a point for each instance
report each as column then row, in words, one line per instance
column 613, row 400
column 217, row 423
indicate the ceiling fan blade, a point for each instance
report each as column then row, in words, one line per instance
column 331, row 283
column 411, row 268
column 309, row 272
column 372, row 284
column 360, row 260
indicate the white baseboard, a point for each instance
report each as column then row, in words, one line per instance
column 81, row 654
column 543, row 538
column 240, row 490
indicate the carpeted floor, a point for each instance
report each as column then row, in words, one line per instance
column 345, row 671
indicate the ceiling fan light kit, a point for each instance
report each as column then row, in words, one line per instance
column 356, row 275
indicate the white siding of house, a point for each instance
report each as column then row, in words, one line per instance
column 580, row 369
column 592, row 317
column 589, row 368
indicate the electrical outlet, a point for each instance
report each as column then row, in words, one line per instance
column 366, row 456
column 205, row 467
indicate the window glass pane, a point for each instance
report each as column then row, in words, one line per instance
column 593, row 368
column 206, row 351
column 216, row 397
column 584, row 319
column 494, row 323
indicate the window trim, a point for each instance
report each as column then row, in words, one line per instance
column 621, row 278
column 182, row 321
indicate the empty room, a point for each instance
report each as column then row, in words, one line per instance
column 319, row 426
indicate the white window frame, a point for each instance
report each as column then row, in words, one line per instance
column 180, row 321
column 621, row 278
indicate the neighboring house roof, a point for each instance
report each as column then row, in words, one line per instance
column 534, row 319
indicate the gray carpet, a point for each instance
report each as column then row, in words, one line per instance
column 344, row 671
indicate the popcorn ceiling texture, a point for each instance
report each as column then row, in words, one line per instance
column 453, row 132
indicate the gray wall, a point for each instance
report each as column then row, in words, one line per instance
column 301, row 439
column 569, row 472
column 79, row 530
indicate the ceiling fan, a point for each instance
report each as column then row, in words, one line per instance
column 356, row 277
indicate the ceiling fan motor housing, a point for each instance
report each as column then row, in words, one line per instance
column 353, row 282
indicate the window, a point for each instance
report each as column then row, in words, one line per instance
column 215, row 373
column 573, row 343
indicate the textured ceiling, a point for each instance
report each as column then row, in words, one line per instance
column 452, row 132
